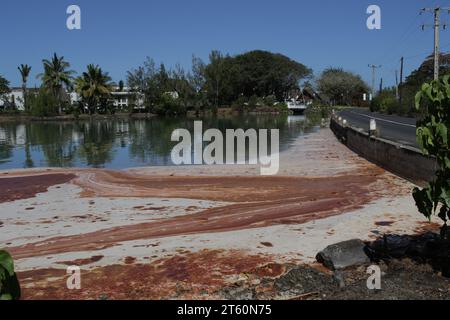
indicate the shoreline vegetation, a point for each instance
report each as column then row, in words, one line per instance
column 247, row 82
column 244, row 82
column 252, row 82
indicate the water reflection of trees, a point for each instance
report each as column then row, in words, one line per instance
column 97, row 142
column 7, row 134
column 55, row 142
column 139, row 142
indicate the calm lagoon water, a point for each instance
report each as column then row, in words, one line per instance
column 122, row 143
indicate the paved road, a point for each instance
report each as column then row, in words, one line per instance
column 395, row 128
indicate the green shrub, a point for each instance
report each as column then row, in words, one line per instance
column 320, row 109
column 270, row 101
column 388, row 103
column 9, row 285
column 385, row 102
column 253, row 102
column 240, row 103
column 433, row 135
column 74, row 109
column 42, row 104
column 169, row 105
column 281, row 106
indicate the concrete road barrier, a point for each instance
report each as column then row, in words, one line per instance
column 405, row 161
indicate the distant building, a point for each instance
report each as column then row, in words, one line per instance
column 14, row 98
column 123, row 99
column 119, row 99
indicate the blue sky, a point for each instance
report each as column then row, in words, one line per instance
column 118, row 35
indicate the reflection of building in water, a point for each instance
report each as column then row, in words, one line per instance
column 76, row 137
column 140, row 127
column 122, row 127
column 21, row 135
column 295, row 118
column 296, row 122
column 3, row 136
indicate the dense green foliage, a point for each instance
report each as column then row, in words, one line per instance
column 255, row 73
column 387, row 102
column 56, row 78
column 42, row 104
column 421, row 75
column 9, row 285
column 413, row 83
column 253, row 80
column 4, row 88
column 342, row 87
column 165, row 92
column 224, row 81
column 433, row 135
column 94, row 88
column 4, row 85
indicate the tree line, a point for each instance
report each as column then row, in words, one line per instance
column 93, row 86
column 223, row 81
column 247, row 80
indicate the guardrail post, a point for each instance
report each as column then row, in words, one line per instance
column 373, row 131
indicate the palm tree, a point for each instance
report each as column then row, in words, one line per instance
column 94, row 86
column 24, row 70
column 56, row 76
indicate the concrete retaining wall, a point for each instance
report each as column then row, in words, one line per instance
column 405, row 161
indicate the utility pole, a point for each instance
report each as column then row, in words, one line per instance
column 396, row 84
column 401, row 80
column 381, row 85
column 437, row 23
column 374, row 68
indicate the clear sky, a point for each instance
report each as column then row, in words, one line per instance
column 118, row 35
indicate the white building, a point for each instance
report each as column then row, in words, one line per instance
column 120, row 99
column 15, row 97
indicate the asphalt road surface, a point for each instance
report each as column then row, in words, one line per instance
column 394, row 128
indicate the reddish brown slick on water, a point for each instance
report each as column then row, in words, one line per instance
column 17, row 188
column 191, row 275
column 257, row 202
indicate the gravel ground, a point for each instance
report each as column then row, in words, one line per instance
column 401, row 280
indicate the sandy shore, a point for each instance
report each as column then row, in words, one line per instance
column 185, row 232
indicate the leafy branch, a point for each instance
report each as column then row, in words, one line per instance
column 9, row 284
column 433, row 137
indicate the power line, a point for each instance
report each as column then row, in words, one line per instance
column 404, row 36
column 437, row 23
column 409, row 32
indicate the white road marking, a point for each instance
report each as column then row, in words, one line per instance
column 389, row 121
